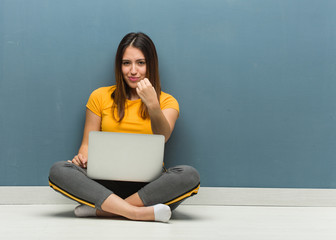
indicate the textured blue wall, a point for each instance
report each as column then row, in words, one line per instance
column 256, row 82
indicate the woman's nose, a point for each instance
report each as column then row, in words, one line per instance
column 133, row 69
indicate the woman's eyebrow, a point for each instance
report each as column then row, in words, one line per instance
column 140, row 59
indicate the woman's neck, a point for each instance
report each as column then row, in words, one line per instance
column 133, row 95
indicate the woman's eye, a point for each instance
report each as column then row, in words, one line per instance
column 125, row 63
column 142, row 63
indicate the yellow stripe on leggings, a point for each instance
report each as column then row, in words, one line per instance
column 188, row 194
column 70, row 196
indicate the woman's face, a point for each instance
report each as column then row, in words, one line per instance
column 133, row 66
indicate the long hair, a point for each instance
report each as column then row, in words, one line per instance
column 142, row 42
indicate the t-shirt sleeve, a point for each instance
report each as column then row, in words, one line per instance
column 95, row 102
column 168, row 101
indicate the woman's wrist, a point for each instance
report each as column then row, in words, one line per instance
column 154, row 107
column 83, row 150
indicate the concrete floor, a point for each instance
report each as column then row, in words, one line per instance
column 188, row 222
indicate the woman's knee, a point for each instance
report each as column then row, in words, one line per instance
column 193, row 175
column 57, row 170
column 189, row 175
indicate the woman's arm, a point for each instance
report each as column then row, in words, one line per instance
column 162, row 121
column 92, row 123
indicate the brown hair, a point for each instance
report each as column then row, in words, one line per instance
column 142, row 42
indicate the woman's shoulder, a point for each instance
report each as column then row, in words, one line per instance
column 104, row 90
column 168, row 101
column 102, row 95
column 100, row 99
column 165, row 96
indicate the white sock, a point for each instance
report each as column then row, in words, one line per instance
column 85, row 211
column 162, row 213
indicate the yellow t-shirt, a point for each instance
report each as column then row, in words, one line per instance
column 100, row 103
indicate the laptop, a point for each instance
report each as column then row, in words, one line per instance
column 125, row 156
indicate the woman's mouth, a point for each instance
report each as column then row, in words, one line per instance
column 133, row 79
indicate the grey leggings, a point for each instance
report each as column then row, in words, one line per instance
column 171, row 188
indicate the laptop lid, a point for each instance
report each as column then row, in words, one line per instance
column 125, row 156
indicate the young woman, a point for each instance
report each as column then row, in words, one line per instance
column 135, row 104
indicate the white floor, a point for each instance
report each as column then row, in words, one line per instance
column 188, row 222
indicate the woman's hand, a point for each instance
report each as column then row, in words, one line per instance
column 147, row 93
column 92, row 123
column 80, row 160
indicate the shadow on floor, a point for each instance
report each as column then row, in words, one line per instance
column 180, row 215
column 62, row 214
column 177, row 215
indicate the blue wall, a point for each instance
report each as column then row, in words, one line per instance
column 256, row 82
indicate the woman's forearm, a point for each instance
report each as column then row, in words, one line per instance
column 159, row 123
column 83, row 150
column 162, row 121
